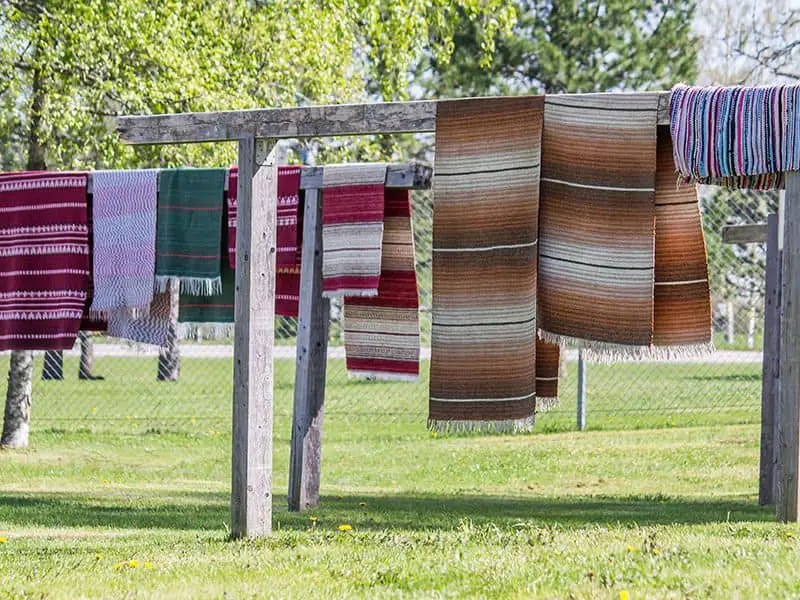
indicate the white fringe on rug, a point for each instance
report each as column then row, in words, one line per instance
column 212, row 331
column 524, row 425
column 608, row 352
column 544, row 404
column 193, row 286
column 382, row 376
column 351, row 293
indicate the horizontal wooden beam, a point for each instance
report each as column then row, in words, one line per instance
column 302, row 121
column 413, row 175
column 745, row 234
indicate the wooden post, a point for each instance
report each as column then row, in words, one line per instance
column 312, row 350
column 770, row 367
column 581, row 390
column 789, row 444
column 251, row 473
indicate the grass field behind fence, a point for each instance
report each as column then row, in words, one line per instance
column 624, row 395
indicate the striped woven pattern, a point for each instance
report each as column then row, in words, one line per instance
column 44, row 259
column 124, row 223
column 150, row 328
column 682, row 307
column 486, row 193
column 90, row 321
column 189, row 229
column 741, row 137
column 210, row 309
column 352, row 229
column 548, row 363
column 596, row 222
column 381, row 333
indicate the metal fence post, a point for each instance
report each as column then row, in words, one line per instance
column 581, row 390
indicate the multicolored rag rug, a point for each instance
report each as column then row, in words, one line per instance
column 381, row 334
column 352, row 229
column 124, row 221
column 486, row 206
column 596, row 222
column 682, row 306
column 189, row 238
column 231, row 196
column 44, row 259
column 740, row 137
column 152, row 328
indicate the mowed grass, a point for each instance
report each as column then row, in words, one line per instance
column 658, row 513
column 625, row 395
column 125, row 492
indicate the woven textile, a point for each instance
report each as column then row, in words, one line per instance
column 743, row 137
column 152, row 328
column 44, row 259
column 211, row 309
column 486, row 193
column 596, row 222
column 352, row 229
column 381, row 334
column 90, row 321
column 288, row 232
column 189, row 237
column 548, row 363
column 124, row 221
column 682, row 307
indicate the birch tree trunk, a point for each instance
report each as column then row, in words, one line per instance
column 730, row 334
column 17, row 415
column 169, row 357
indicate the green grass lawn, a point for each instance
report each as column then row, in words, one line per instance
column 654, row 513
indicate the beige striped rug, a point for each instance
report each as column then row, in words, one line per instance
column 596, row 222
column 682, row 307
column 486, row 191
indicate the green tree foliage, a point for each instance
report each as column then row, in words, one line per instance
column 573, row 46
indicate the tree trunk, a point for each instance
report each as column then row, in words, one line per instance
column 730, row 334
column 53, row 369
column 16, row 423
column 17, row 418
column 86, row 368
column 169, row 357
column 751, row 326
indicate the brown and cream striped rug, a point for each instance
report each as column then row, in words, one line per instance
column 682, row 307
column 486, row 191
column 596, row 223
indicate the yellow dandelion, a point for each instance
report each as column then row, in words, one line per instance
column 624, row 595
column 362, row 503
column 148, row 565
column 133, row 563
column 193, row 421
column 118, row 565
column 789, row 535
column 631, row 549
column 3, row 540
column 656, row 551
column 345, row 527
column 313, row 518
column 98, row 556
column 94, row 409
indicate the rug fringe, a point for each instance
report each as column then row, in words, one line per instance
column 682, row 351
column 546, row 403
column 192, row 286
column 382, row 376
column 523, row 425
column 189, row 330
column 350, row 293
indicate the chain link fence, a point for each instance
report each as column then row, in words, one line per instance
column 126, row 394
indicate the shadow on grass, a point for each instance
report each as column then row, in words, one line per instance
column 209, row 511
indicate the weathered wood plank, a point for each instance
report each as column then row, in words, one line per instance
column 770, row 364
column 251, row 473
column 304, row 121
column 788, row 497
column 312, row 349
column 745, row 234
column 411, row 175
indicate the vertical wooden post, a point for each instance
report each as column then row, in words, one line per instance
column 789, row 451
column 312, row 349
column 770, row 367
column 581, row 390
column 251, row 473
